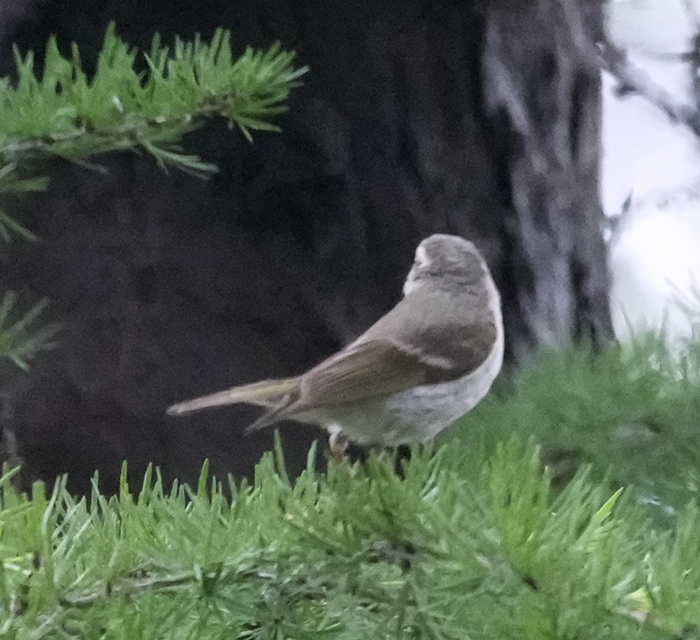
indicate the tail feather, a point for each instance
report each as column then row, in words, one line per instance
column 272, row 415
column 267, row 393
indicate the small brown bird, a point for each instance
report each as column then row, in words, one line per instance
column 424, row 364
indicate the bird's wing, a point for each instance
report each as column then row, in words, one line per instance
column 425, row 349
column 367, row 369
column 451, row 352
column 363, row 370
column 449, row 349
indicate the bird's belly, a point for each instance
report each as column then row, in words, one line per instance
column 414, row 415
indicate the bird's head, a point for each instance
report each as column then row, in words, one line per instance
column 445, row 261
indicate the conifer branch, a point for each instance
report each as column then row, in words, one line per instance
column 454, row 548
column 65, row 112
column 132, row 101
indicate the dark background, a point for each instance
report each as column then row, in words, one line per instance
column 416, row 117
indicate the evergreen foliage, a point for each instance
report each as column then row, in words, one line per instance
column 473, row 540
column 632, row 412
column 128, row 102
column 63, row 111
column 452, row 550
column 20, row 340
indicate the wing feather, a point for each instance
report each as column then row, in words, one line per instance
column 367, row 369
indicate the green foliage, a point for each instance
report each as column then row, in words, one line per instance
column 19, row 339
column 632, row 412
column 63, row 111
column 473, row 540
column 9, row 183
column 456, row 548
column 66, row 112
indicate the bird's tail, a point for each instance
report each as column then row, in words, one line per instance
column 267, row 393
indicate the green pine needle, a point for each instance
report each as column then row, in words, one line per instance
column 20, row 340
column 454, row 548
column 131, row 102
column 121, row 106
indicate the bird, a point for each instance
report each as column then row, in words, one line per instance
column 428, row 361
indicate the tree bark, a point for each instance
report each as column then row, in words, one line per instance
column 542, row 85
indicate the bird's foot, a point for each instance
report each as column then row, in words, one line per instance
column 337, row 444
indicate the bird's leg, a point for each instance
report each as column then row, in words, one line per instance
column 337, row 442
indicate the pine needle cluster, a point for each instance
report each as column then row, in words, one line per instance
column 128, row 101
column 457, row 546
column 64, row 111
column 632, row 412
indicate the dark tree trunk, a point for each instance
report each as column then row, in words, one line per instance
column 542, row 84
column 417, row 117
